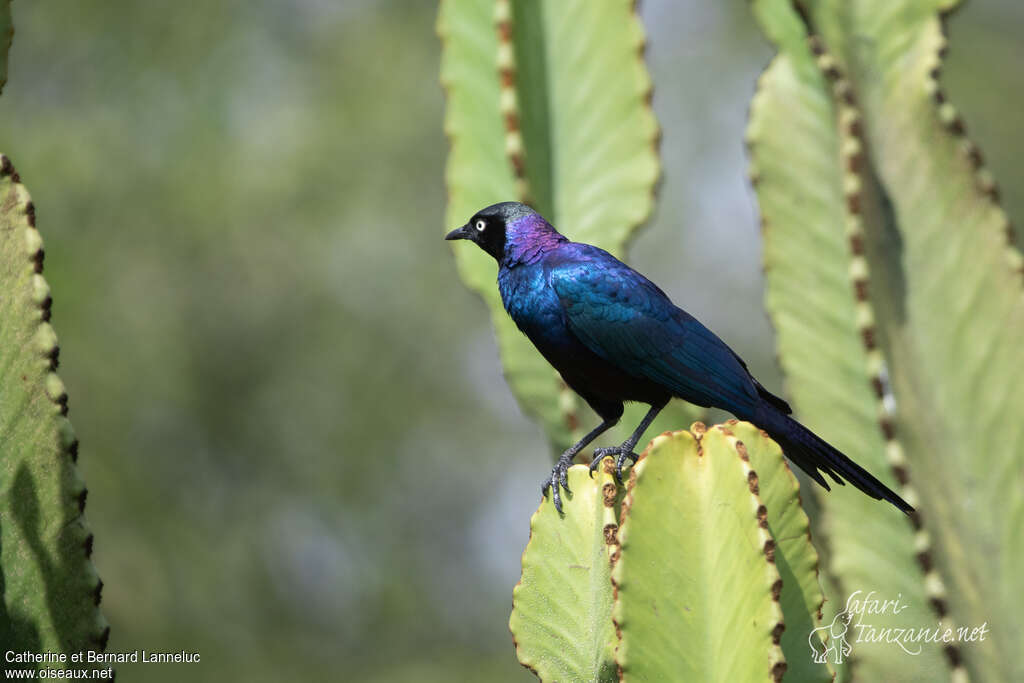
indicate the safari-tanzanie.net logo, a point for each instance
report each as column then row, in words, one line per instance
column 866, row 619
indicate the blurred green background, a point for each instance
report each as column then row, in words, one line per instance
column 302, row 458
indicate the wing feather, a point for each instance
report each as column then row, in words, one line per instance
column 627, row 320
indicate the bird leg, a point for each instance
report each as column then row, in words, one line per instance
column 559, row 476
column 625, row 450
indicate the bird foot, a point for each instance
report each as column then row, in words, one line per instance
column 621, row 454
column 558, row 480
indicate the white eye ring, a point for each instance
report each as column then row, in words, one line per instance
column 480, row 225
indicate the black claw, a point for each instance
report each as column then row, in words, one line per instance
column 558, row 502
column 621, row 460
column 558, row 479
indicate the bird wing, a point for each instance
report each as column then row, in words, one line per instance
column 628, row 321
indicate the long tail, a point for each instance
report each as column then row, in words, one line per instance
column 812, row 453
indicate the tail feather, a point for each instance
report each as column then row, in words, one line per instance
column 814, row 455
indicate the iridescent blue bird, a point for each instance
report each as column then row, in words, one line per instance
column 614, row 336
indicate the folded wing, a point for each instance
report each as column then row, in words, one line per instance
column 627, row 320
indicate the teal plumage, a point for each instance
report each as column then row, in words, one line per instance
column 614, row 336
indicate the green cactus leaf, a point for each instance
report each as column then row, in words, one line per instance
column 953, row 335
column 49, row 590
column 795, row 556
column 697, row 588
column 588, row 161
column 589, row 135
column 812, row 303
column 954, row 338
column 896, row 294
column 561, row 614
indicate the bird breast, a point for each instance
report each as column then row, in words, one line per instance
column 531, row 302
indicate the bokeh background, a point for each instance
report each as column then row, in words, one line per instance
column 302, row 458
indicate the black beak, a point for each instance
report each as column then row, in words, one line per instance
column 462, row 233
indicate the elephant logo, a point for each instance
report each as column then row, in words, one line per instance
column 831, row 639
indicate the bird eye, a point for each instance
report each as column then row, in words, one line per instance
column 480, row 225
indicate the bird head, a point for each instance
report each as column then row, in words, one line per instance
column 494, row 228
